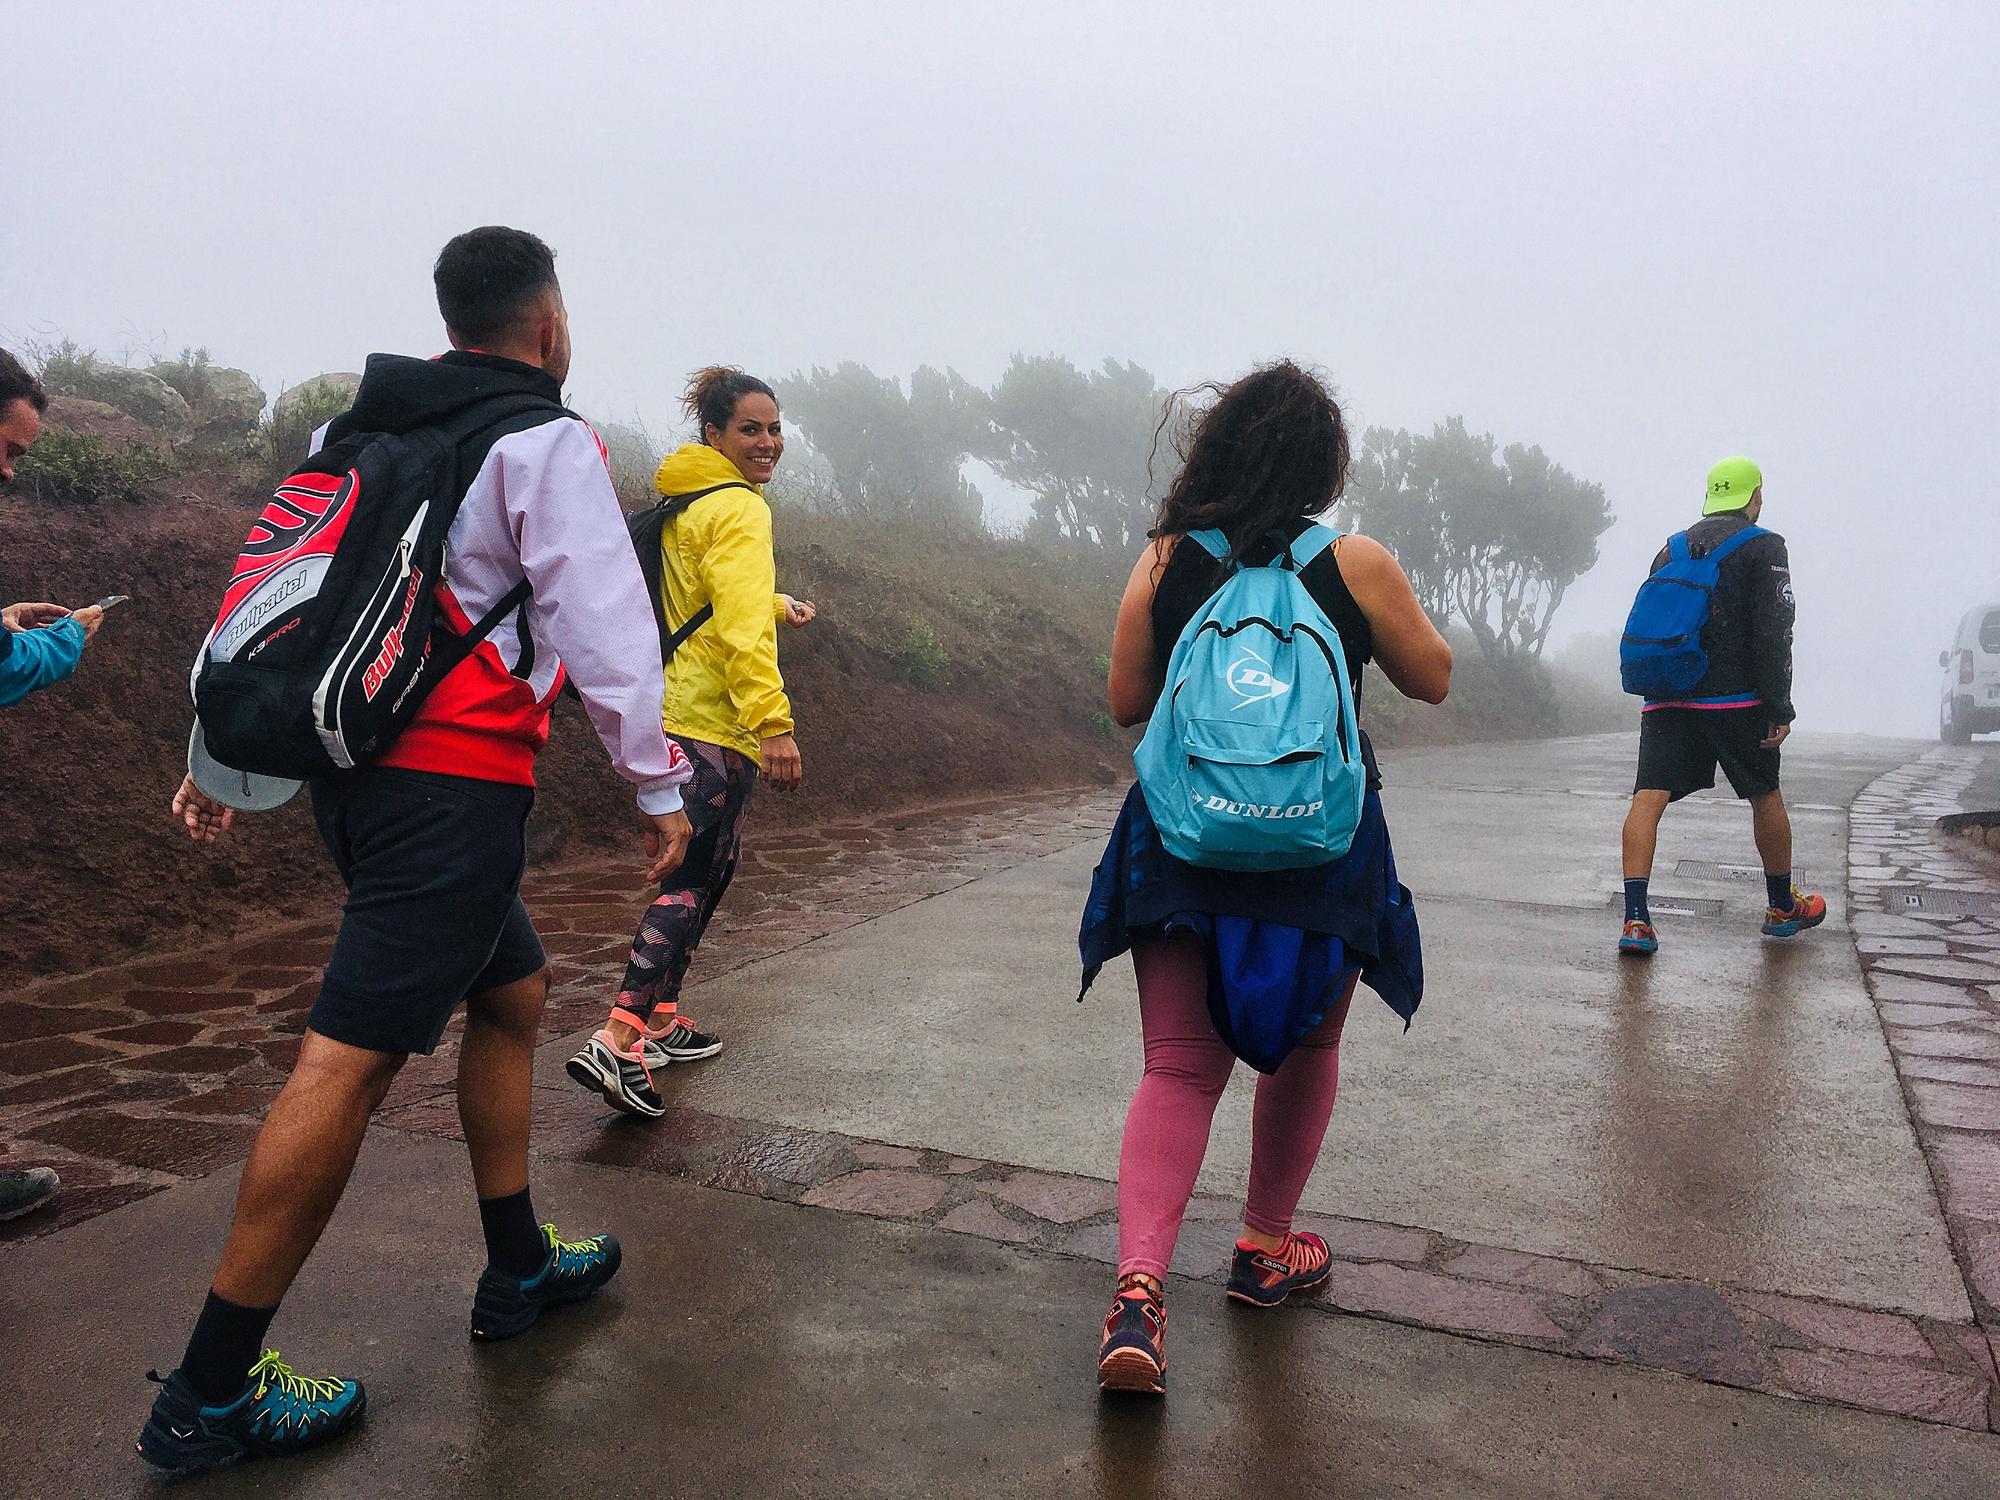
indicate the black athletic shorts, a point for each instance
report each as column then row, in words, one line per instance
column 433, row 870
column 1679, row 749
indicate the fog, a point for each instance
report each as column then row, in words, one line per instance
column 1643, row 241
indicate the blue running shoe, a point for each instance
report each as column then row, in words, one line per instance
column 1133, row 1356
column 277, row 1413
column 506, row 1305
column 1639, row 938
column 1263, row 1279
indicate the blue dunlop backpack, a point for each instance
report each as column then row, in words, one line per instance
column 1252, row 760
column 1660, row 654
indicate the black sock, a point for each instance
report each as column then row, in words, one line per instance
column 1635, row 901
column 514, row 1242
column 226, row 1342
column 1778, row 891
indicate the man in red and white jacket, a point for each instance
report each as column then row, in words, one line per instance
column 429, row 840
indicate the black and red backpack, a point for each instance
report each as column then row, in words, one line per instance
column 329, row 636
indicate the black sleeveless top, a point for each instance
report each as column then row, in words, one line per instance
column 1192, row 576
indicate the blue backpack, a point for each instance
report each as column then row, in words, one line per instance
column 1660, row 654
column 1252, row 760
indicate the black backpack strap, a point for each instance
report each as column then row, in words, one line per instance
column 652, row 521
column 669, row 644
column 457, row 648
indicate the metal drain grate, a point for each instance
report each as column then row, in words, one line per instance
column 1674, row 906
column 1708, row 869
column 1943, row 903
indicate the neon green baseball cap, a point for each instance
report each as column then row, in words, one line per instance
column 1731, row 483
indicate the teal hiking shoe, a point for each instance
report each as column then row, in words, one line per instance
column 506, row 1305
column 277, row 1413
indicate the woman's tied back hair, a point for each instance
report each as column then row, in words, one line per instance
column 712, row 395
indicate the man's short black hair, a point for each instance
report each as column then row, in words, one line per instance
column 16, row 384
column 488, row 279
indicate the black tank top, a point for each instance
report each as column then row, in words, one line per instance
column 1192, row 576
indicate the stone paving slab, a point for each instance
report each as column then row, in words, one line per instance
column 131, row 1078
column 1937, row 999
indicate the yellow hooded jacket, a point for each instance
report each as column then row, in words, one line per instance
column 723, row 686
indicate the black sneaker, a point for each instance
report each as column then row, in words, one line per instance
column 506, row 1305
column 680, row 1042
column 277, row 1413
column 621, row 1077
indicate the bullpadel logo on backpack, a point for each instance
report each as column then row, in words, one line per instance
column 392, row 643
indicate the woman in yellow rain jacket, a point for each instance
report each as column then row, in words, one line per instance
column 725, row 704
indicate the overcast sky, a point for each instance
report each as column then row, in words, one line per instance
column 1642, row 237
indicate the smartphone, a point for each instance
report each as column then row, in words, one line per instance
column 109, row 600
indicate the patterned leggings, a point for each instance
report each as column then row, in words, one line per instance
column 717, row 799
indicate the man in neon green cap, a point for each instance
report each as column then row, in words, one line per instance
column 1737, row 708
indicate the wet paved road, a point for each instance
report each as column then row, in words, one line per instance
column 1729, row 1112
column 909, row 1308
column 805, row 1352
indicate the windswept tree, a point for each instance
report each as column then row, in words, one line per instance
column 891, row 455
column 1391, row 499
column 1080, row 444
column 1492, row 538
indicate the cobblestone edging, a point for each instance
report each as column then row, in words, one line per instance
column 128, row 1080
column 1934, row 976
column 1933, row 1370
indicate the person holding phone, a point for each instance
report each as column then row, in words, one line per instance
column 40, row 645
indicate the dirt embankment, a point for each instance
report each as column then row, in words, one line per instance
column 939, row 669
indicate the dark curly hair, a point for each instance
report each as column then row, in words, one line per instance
column 17, row 384
column 1260, row 455
column 712, row 395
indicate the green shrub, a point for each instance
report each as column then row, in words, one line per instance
column 919, row 656
column 297, row 415
column 64, row 368
column 192, row 375
column 74, row 468
column 1106, row 726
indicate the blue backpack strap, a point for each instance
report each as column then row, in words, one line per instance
column 1742, row 538
column 1314, row 540
column 1212, row 542
column 1677, row 548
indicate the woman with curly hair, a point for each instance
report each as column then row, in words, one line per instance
column 1262, row 460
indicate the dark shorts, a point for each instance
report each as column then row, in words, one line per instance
column 1679, row 749
column 433, row 870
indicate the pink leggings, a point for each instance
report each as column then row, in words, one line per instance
column 1187, row 1066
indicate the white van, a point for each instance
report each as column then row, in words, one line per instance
column 1970, row 701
